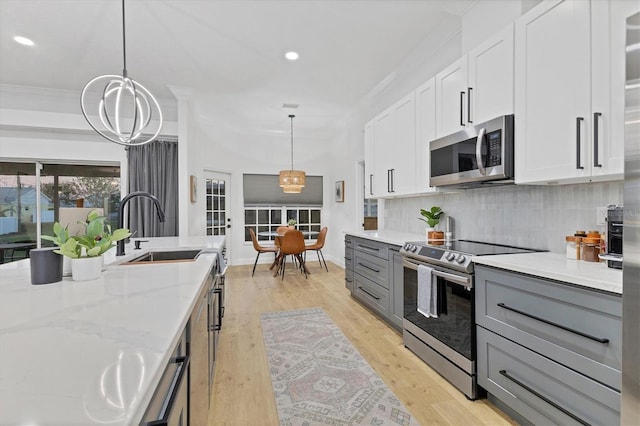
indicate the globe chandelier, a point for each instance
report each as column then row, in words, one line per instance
column 292, row 181
column 126, row 107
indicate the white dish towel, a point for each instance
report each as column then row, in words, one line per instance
column 427, row 292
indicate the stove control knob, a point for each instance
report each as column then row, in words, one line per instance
column 449, row 256
column 414, row 248
column 461, row 259
column 407, row 247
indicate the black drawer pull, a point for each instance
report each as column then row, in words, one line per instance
column 347, row 258
column 579, row 333
column 368, row 248
column 542, row 397
column 348, row 280
column 377, row 271
column 375, row 297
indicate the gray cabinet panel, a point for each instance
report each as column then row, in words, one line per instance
column 371, row 294
column 371, row 267
column 348, row 280
column 540, row 389
column 554, row 319
column 396, row 287
column 374, row 248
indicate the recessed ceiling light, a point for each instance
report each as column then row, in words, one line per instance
column 292, row 56
column 23, row 40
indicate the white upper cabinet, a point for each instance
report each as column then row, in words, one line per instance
column 569, row 89
column 425, row 132
column 394, row 150
column 491, row 71
column 478, row 86
column 369, row 159
column 451, row 92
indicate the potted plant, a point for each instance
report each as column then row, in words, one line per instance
column 85, row 251
column 432, row 218
column 61, row 235
column 292, row 223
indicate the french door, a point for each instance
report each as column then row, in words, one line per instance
column 217, row 205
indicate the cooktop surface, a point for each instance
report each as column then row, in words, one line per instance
column 476, row 248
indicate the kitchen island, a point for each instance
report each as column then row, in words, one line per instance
column 93, row 352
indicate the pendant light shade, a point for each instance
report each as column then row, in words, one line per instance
column 125, row 109
column 292, row 181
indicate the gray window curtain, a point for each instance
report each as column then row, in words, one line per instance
column 154, row 168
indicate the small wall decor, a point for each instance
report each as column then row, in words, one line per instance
column 193, row 188
column 340, row 191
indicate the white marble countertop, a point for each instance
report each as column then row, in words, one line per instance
column 557, row 267
column 389, row 237
column 92, row 352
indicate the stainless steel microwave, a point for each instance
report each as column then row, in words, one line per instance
column 476, row 156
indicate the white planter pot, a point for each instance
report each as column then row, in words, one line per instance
column 86, row 268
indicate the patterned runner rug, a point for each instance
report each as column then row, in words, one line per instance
column 318, row 376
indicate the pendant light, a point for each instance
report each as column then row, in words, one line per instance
column 292, row 181
column 122, row 95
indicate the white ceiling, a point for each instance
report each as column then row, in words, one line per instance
column 230, row 52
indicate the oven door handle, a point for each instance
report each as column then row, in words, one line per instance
column 458, row 279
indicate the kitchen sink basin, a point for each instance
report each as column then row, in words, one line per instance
column 164, row 257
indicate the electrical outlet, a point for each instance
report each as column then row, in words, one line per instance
column 601, row 216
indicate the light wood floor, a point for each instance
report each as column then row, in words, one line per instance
column 242, row 392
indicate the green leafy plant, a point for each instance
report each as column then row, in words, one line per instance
column 292, row 222
column 97, row 240
column 61, row 235
column 431, row 217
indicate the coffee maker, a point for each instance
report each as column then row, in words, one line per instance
column 614, row 236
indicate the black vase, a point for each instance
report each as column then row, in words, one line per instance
column 46, row 266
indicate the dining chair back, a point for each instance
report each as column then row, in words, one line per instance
column 317, row 247
column 260, row 249
column 292, row 243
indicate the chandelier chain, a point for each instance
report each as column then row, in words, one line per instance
column 124, row 45
column 291, row 117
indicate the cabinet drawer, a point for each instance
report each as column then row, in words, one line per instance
column 348, row 279
column 371, row 247
column 579, row 328
column 371, row 267
column 348, row 258
column 348, row 241
column 542, row 391
column 371, row 294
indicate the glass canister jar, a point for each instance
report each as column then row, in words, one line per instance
column 573, row 246
column 591, row 248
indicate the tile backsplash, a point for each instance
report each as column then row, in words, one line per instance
column 526, row 216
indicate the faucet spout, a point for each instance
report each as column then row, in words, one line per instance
column 123, row 202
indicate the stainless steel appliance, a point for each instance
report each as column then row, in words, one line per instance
column 631, row 240
column 447, row 342
column 476, row 156
column 615, row 224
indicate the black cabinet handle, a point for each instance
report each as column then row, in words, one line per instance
column 542, row 397
column 371, row 184
column 368, row 248
column 218, row 327
column 348, row 280
column 372, row 295
column 570, row 330
column 596, row 119
column 578, row 127
column 462, row 109
column 347, row 258
column 369, row 268
column 469, row 89
column 393, row 181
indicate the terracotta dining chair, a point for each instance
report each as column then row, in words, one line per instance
column 260, row 249
column 317, row 247
column 292, row 243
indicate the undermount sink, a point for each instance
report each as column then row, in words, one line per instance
column 164, row 257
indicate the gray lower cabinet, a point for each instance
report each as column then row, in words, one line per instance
column 348, row 262
column 397, row 287
column 375, row 271
column 549, row 351
column 198, row 337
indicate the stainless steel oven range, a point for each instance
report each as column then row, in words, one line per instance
column 443, row 333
